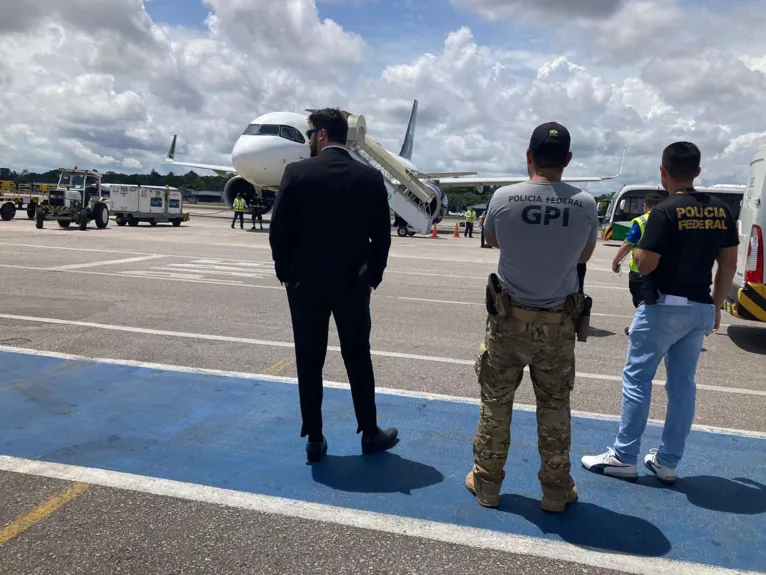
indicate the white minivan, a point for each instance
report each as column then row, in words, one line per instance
column 747, row 299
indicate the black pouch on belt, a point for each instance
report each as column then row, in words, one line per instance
column 494, row 298
column 650, row 293
column 582, row 322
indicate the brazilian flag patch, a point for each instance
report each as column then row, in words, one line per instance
column 553, row 132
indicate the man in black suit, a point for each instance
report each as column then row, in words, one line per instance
column 332, row 269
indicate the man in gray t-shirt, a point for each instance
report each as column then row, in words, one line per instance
column 543, row 228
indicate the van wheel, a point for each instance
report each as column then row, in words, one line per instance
column 152, row 222
column 132, row 222
column 176, row 222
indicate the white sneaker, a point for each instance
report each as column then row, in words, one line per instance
column 664, row 474
column 608, row 464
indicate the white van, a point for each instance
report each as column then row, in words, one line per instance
column 747, row 299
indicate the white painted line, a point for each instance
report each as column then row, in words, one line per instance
column 67, row 248
column 437, row 301
column 164, row 276
column 375, row 353
column 67, row 268
column 394, row 524
column 346, row 386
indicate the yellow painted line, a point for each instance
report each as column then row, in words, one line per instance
column 46, row 508
column 278, row 367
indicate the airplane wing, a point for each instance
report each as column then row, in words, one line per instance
column 170, row 158
column 474, row 182
column 431, row 175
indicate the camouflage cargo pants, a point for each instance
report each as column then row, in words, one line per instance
column 546, row 343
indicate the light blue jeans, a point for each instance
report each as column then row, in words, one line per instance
column 675, row 333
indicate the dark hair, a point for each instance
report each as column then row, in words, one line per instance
column 544, row 159
column 652, row 199
column 333, row 122
column 682, row 160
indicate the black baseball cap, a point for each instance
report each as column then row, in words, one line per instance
column 550, row 141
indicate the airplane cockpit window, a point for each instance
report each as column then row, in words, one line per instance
column 286, row 132
column 291, row 133
column 261, row 130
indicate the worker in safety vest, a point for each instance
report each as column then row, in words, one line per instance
column 637, row 227
column 470, row 216
column 239, row 211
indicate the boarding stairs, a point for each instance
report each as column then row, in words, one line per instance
column 407, row 196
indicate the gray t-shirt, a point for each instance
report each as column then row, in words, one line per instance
column 542, row 228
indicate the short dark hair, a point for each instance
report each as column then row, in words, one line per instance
column 333, row 122
column 652, row 199
column 682, row 160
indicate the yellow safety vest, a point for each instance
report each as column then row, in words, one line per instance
column 641, row 221
column 470, row 216
column 239, row 204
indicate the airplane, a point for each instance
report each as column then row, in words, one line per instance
column 275, row 139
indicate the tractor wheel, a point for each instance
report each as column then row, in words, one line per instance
column 7, row 212
column 101, row 216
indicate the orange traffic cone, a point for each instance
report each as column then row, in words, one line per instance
column 433, row 233
column 456, row 234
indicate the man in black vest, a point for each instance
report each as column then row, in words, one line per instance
column 332, row 269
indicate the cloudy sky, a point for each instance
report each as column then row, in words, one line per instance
column 106, row 83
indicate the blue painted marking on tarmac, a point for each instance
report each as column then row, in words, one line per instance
column 244, row 435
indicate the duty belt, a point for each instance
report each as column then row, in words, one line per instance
column 536, row 314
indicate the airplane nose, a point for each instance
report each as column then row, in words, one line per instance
column 257, row 158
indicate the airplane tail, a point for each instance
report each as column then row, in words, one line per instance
column 409, row 138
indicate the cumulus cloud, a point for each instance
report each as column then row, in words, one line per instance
column 112, row 91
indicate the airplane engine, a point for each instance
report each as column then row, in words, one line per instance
column 263, row 200
column 439, row 205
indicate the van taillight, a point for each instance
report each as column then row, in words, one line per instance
column 754, row 264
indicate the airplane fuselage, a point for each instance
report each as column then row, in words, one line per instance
column 272, row 141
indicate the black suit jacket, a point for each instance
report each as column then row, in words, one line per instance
column 330, row 220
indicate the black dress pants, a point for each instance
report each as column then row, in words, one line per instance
column 241, row 216
column 310, row 308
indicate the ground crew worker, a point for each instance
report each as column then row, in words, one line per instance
column 637, row 227
column 685, row 235
column 533, row 305
column 239, row 211
column 258, row 217
column 470, row 216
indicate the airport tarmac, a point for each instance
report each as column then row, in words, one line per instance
column 148, row 387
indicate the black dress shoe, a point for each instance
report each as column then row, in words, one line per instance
column 315, row 450
column 380, row 441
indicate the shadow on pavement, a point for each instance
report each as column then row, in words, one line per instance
column 749, row 339
column 588, row 525
column 379, row 473
column 597, row 332
column 739, row 495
